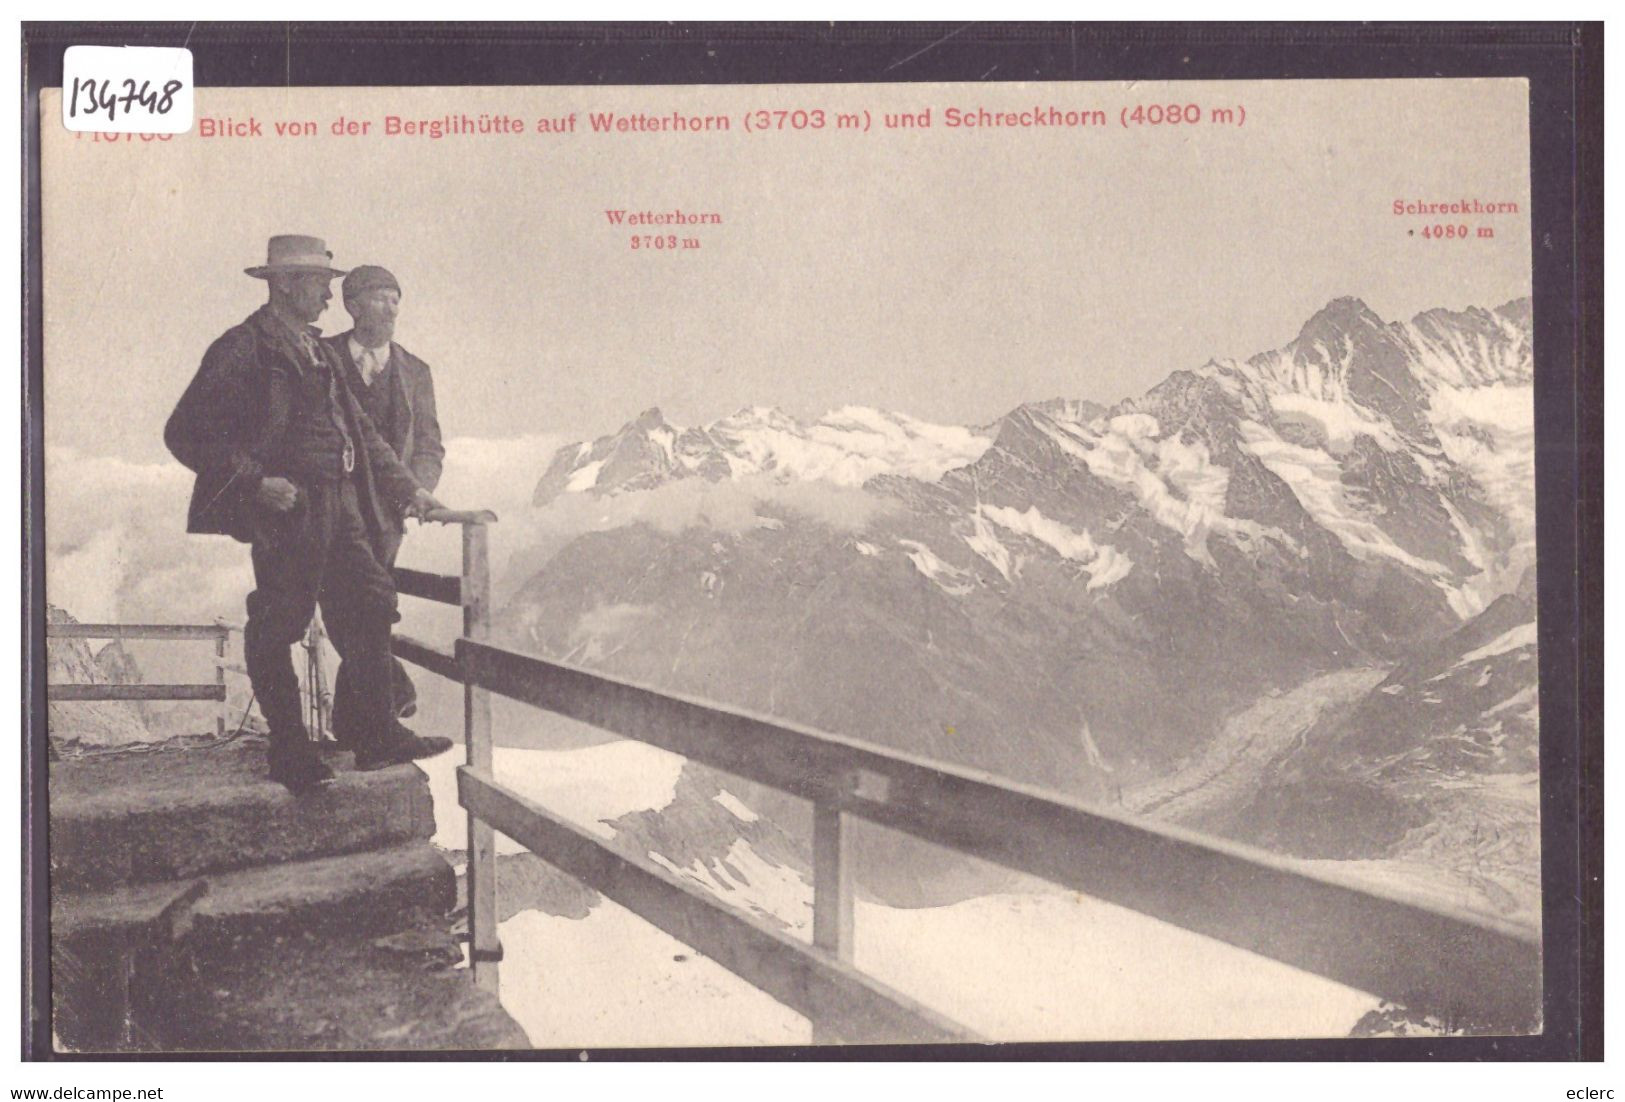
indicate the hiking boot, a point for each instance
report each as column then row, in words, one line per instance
column 343, row 738
column 296, row 765
column 398, row 747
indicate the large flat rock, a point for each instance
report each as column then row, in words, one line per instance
column 198, row 906
column 122, row 819
column 113, row 950
column 105, row 948
column 310, row 992
column 376, row 892
column 160, row 911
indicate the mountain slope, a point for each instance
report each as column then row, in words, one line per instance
column 1084, row 597
column 92, row 723
column 1436, row 768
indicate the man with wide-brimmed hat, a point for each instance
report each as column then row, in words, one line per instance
column 287, row 462
column 396, row 390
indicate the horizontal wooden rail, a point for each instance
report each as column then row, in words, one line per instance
column 447, row 589
column 842, row 1000
column 218, row 632
column 430, row 657
column 135, row 692
column 137, row 631
column 460, row 516
column 1469, row 967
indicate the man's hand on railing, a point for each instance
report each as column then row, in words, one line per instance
column 423, row 503
column 442, row 515
column 427, row 509
column 430, row 511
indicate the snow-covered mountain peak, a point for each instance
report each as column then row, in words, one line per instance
column 1349, row 374
column 1143, row 573
column 1474, row 347
column 756, row 417
column 1339, row 318
column 649, row 419
column 1078, row 411
column 847, row 447
column 1398, row 446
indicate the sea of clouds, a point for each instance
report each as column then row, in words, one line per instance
column 117, row 548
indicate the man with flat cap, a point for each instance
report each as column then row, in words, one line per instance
column 287, row 462
column 396, row 390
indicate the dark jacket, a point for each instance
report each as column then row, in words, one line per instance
column 229, row 424
column 414, row 433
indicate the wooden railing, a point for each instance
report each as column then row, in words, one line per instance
column 1466, row 968
column 215, row 690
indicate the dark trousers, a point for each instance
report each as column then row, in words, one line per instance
column 319, row 553
column 346, row 688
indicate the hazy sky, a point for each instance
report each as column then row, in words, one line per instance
column 948, row 273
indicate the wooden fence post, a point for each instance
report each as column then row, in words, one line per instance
column 220, row 676
column 832, row 893
column 485, row 950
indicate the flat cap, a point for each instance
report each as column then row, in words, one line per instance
column 368, row 277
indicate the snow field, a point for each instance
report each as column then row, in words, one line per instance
column 1012, row 966
column 1104, row 563
column 590, row 786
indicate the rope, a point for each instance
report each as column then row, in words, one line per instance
column 237, row 734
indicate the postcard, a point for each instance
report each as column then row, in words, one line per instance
column 597, row 566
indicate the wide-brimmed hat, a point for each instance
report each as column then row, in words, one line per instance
column 293, row 253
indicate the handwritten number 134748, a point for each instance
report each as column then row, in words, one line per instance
column 95, row 96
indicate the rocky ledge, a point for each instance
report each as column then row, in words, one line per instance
column 198, row 907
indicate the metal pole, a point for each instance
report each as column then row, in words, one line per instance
column 485, row 950
column 318, row 680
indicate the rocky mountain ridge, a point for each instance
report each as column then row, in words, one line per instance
column 1093, row 599
column 1324, row 505
column 97, row 723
